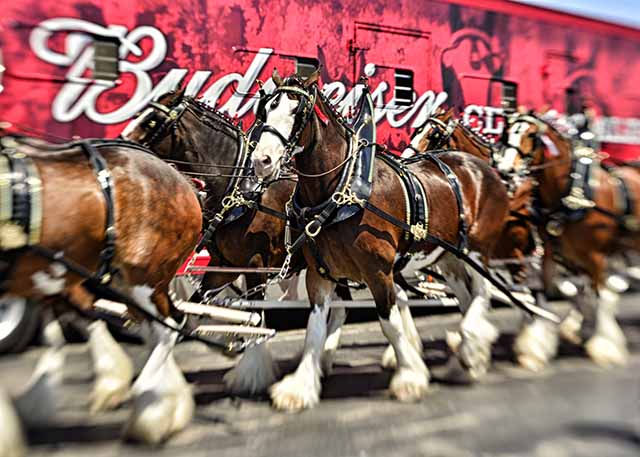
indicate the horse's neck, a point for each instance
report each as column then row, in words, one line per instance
column 463, row 141
column 212, row 147
column 329, row 151
column 554, row 179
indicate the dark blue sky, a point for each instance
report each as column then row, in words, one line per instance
column 622, row 11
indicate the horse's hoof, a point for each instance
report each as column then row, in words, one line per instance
column 456, row 373
column 156, row 417
column 475, row 354
column 389, row 361
column 569, row 329
column 409, row 385
column 109, row 392
column 328, row 357
column 254, row 373
column 113, row 368
column 294, row 394
column 536, row 345
column 163, row 405
column 606, row 352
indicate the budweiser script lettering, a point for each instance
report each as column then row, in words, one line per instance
column 79, row 95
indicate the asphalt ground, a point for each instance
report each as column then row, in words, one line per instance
column 572, row 408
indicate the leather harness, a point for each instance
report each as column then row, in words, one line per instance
column 354, row 189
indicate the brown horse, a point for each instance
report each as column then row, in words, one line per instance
column 299, row 121
column 75, row 198
column 202, row 142
column 537, row 342
column 582, row 229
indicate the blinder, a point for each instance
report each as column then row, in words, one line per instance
column 441, row 133
column 302, row 117
column 171, row 117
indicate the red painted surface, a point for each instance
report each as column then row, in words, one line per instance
column 202, row 260
column 453, row 46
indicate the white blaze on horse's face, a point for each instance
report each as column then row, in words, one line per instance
column 267, row 155
column 507, row 162
column 415, row 142
column 135, row 122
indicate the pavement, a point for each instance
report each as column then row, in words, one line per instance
column 572, row 408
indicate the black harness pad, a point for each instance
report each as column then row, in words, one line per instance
column 418, row 209
column 361, row 178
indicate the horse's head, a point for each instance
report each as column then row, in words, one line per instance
column 154, row 126
column 524, row 145
column 283, row 117
column 434, row 133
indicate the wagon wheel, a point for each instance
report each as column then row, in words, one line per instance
column 19, row 321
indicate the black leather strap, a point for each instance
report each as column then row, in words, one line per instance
column 101, row 170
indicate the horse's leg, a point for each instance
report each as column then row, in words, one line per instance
column 389, row 357
column 607, row 345
column 256, row 370
column 337, row 316
column 537, row 342
column 301, row 389
column 112, row 367
column 472, row 344
column 411, row 379
column 12, row 440
column 162, row 400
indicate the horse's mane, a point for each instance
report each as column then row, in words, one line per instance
column 538, row 117
column 214, row 118
column 475, row 136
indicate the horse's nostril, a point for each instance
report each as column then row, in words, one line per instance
column 266, row 160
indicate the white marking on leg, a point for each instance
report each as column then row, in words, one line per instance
column 389, row 361
column 163, row 401
column 301, row 389
column 337, row 316
column 608, row 345
column 411, row 380
column 536, row 344
column 477, row 333
column 112, row 367
column 254, row 373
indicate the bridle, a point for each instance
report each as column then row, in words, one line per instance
column 440, row 134
column 302, row 117
column 169, row 123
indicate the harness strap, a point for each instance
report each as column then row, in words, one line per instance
column 530, row 309
column 454, row 182
column 20, row 201
column 99, row 164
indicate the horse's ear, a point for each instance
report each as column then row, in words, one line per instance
column 180, row 93
column 450, row 113
column 277, row 79
column 312, row 79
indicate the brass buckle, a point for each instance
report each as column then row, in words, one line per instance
column 307, row 229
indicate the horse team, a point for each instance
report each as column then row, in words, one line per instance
column 308, row 189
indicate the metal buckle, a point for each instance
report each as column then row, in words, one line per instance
column 307, row 229
column 419, row 231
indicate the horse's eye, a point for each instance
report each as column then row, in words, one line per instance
column 275, row 103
